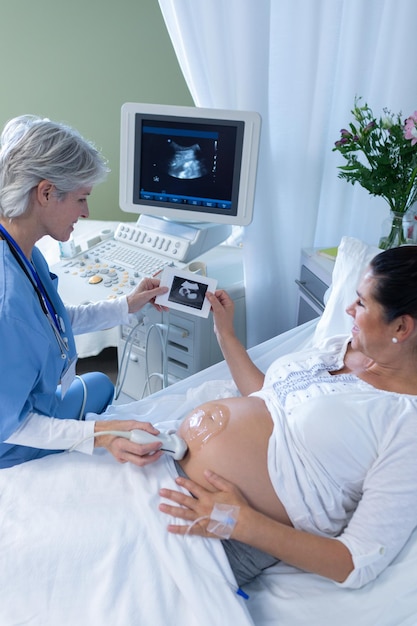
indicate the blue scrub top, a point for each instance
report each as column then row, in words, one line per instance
column 31, row 362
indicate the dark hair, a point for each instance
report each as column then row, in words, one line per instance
column 395, row 271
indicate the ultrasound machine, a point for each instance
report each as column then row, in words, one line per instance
column 189, row 174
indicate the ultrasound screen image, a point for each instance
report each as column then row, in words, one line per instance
column 188, row 293
column 187, row 163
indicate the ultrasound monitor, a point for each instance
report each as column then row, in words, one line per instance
column 188, row 164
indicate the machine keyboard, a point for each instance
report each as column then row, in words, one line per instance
column 107, row 270
column 132, row 258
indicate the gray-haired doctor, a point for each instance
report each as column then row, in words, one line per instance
column 47, row 172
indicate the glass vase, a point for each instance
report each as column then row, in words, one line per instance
column 396, row 235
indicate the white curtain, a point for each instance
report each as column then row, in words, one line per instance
column 300, row 64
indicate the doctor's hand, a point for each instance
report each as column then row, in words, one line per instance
column 147, row 290
column 123, row 449
column 197, row 507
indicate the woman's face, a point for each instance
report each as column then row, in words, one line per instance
column 370, row 331
column 62, row 214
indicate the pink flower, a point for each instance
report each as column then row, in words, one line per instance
column 410, row 128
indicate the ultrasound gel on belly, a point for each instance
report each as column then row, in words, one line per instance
column 207, row 421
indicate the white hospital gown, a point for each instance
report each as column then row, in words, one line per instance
column 343, row 456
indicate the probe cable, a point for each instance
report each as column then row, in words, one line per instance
column 124, row 361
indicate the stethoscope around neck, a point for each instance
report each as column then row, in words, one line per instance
column 44, row 300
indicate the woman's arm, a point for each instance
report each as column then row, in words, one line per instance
column 320, row 555
column 246, row 375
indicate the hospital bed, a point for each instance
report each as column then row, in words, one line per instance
column 82, row 541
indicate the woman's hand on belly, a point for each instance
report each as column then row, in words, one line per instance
column 200, row 504
column 321, row 555
column 231, row 436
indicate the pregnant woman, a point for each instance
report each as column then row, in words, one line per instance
column 317, row 460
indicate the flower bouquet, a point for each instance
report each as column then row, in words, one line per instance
column 381, row 155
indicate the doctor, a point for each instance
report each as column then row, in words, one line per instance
column 47, row 172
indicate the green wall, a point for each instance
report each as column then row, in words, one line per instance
column 78, row 62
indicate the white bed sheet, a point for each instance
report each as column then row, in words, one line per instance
column 82, row 543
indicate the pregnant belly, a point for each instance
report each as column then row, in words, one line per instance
column 230, row 437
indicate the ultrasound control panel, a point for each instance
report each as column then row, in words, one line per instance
column 156, row 241
column 114, row 265
column 107, row 270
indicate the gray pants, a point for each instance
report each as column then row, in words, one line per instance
column 246, row 562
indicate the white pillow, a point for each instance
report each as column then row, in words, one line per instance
column 353, row 256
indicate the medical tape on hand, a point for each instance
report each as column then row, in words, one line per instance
column 223, row 519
